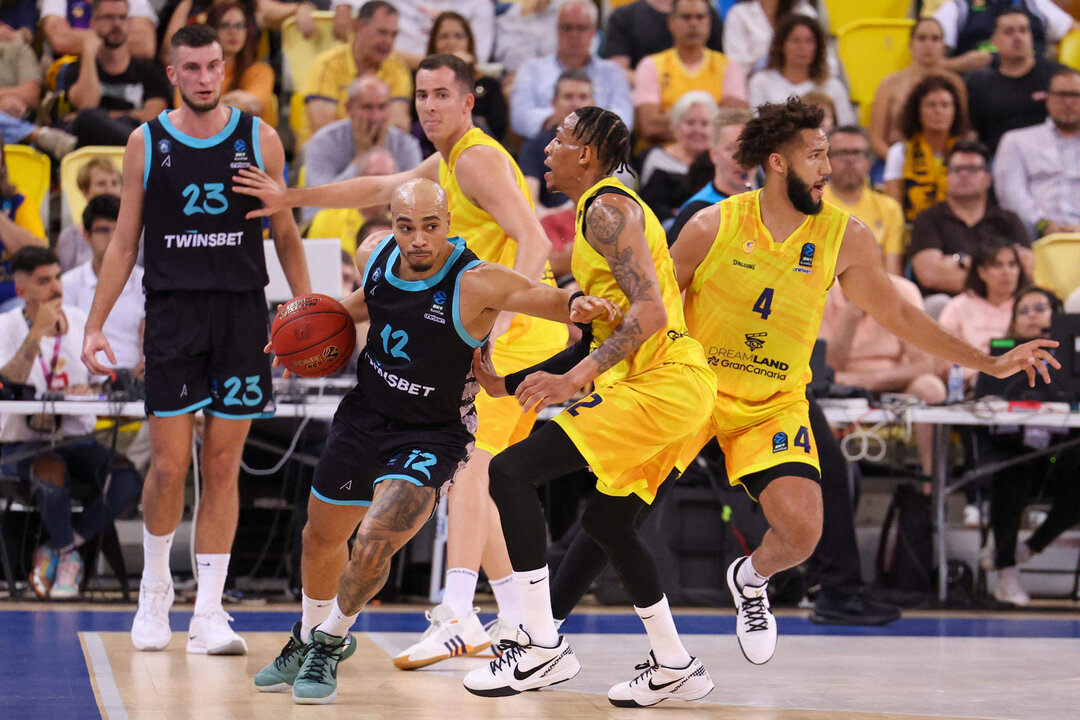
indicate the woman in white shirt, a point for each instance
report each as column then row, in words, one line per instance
column 663, row 183
column 749, row 26
column 797, row 64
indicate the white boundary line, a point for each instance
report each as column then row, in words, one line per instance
column 102, row 676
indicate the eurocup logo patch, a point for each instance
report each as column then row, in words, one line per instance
column 779, row 442
column 239, row 146
column 440, row 299
column 806, row 257
column 164, row 146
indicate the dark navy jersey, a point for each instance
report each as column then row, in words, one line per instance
column 417, row 366
column 196, row 236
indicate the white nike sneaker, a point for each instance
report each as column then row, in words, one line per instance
column 150, row 630
column 523, row 666
column 755, row 625
column 500, row 631
column 658, row 683
column 210, row 634
column 447, row 636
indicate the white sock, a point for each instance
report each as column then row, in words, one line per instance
column 536, row 606
column 664, row 638
column 156, row 556
column 314, row 612
column 508, row 598
column 747, row 575
column 337, row 623
column 460, row 590
column 213, row 569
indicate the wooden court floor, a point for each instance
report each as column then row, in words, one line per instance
column 77, row 662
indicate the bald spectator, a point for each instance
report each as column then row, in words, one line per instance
column 534, row 86
column 640, row 29
column 66, row 26
column 339, row 150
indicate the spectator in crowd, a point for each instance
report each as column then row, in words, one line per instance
column 728, row 177
column 18, row 20
column 931, row 121
column 260, row 14
column 325, row 89
column 249, row 83
column 662, row 78
column 866, row 355
column 1011, row 93
column 112, row 91
column 534, row 86
column 749, row 27
column 125, row 327
column 983, row 311
column 969, row 28
column 40, row 346
column 797, row 64
column 68, row 24
column 339, row 150
column 97, row 176
column 640, row 28
column 524, row 32
column 947, row 236
column 927, row 47
column 20, row 93
column 663, row 179
column 819, row 99
column 1037, row 169
column 1072, row 303
column 451, row 34
column 20, row 226
column 1011, row 487
column 344, row 223
column 849, row 189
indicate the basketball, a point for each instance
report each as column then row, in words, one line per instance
column 313, row 335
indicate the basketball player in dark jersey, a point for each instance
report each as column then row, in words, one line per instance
column 206, row 322
column 407, row 427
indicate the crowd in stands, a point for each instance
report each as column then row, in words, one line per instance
column 971, row 151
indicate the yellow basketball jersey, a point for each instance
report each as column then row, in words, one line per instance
column 672, row 344
column 756, row 304
column 676, row 80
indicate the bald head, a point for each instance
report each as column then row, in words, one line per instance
column 421, row 221
column 418, row 199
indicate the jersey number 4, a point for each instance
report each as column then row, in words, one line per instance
column 213, row 204
column 763, row 305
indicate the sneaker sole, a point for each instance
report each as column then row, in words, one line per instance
column 276, row 688
column 233, row 647
column 404, row 663
column 507, row 690
column 316, row 700
column 150, row 647
column 634, row 703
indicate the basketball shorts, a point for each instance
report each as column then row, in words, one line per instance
column 364, row 448
column 205, row 350
column 636, row 430
column 763, row 441
column 528, row 342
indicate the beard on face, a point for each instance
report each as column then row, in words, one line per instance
column 201, row 107
column 798, row 193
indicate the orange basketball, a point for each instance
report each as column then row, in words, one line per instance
column 313, row 335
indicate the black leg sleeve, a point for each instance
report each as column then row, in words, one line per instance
column 612, row 523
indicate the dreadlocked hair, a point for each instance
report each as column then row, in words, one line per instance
column 604, row 131
column 776, row 125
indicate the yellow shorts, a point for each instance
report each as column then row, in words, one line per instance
column 635, row 431
column 760, row 436
column 527, row 342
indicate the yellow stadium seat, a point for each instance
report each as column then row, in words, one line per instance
column 299, row 53
column 844, row 12
column 69, row 174
column 341, row 223
column 1069, row 50
column 31, row 172
column 870, row 50
column 1057, row 263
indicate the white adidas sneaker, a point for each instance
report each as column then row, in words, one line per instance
column 523, row 666
column 150, row 630
column 210, row 634
column 447, row 636
column 658, row 683
column 755, row 625
column 500, row 631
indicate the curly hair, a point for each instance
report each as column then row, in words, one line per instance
column 910, row 119
column 819, row 67
column 776, row 125
column 605, row 132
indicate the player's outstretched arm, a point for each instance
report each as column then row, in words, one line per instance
column 287, row 243
column 119, row 258
column 695, row 241
column 864, row 283
column 356, row 192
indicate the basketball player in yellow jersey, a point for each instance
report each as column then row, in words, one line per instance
column 653, row 391
column 491, row 207
column 756, row 268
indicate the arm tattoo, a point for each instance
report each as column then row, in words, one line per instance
column 398, row 511
column 626, row 338
column 604, row 223
column 18, row 368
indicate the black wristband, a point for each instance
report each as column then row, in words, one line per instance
column 570, row 302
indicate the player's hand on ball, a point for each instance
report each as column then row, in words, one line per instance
column 256, row 183
column 587, row 308
column 541, row 389
column 275, row 361
column 1031, row 357
column 484, row 372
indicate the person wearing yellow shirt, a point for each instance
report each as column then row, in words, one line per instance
column 20, row 225
column 326, row 86
column 850, row 157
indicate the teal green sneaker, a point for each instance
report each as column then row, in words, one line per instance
column 316, row 683
column 280, row 674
